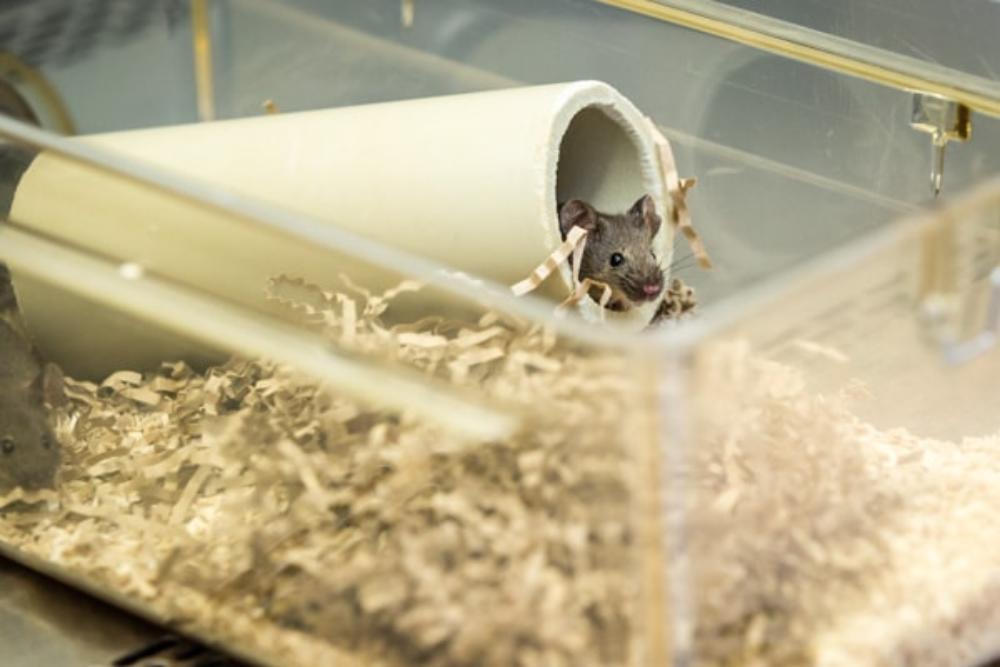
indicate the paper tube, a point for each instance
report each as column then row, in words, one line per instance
column 471, row 181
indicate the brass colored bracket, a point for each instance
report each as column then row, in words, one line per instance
column 25, row 94
column 945, row 120
column 203, row 67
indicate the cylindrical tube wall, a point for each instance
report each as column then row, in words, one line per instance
column 470, row 181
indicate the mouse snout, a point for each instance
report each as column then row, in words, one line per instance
column 652, row 289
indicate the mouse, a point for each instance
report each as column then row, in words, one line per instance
column 29, row 450
column 619, row 251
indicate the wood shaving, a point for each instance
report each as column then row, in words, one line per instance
column 264, row 512
column 678, row 188
column 254, row 508
column 582, row 289
column 574, row 241
column 678, row 303
column 817, row 539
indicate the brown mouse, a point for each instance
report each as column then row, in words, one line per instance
column 29, row 451
column 619, row 251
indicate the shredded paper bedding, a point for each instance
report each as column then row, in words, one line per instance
column 255, row 508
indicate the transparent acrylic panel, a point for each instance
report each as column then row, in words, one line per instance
column 791, row 159
column 842, row 455
column 410, row 473
column 958, row 35
column 97, row 65
column 306, row 472
column 828, row 124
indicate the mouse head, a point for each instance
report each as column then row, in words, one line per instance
column 619, row 250
column 29, row 451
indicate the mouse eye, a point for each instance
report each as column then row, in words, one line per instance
column 46, row 441
column 617, row 259
column 7, row 444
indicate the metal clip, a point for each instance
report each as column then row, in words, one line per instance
column 945, row 120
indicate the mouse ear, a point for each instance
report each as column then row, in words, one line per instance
column 576, row 213
column 49, row 386
column 644, row 210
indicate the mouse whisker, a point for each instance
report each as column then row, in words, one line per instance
column 684, row 263
column 682, row 258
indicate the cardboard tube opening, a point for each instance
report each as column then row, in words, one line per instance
column 604, row 159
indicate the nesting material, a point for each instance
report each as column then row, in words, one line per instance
column 570, row 246
column 677, row 188
column 817, row 539
column 251, row 507
column 678, row 303
column 265, row 513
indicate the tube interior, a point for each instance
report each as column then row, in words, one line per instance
column 598, row 163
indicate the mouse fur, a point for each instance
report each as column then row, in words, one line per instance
column 29, row 451
column 619, row 250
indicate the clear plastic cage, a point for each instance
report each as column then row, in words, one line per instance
column 428, row 470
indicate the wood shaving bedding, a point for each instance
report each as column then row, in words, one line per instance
column 267, row 513
column 677, row 188
column 573, row 245
column 253, row 507
column 817, row 539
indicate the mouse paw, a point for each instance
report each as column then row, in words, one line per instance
column 679, row 301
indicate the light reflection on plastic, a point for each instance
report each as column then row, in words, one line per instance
column 131, row 271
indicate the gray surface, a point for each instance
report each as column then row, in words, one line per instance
column 43, row 622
